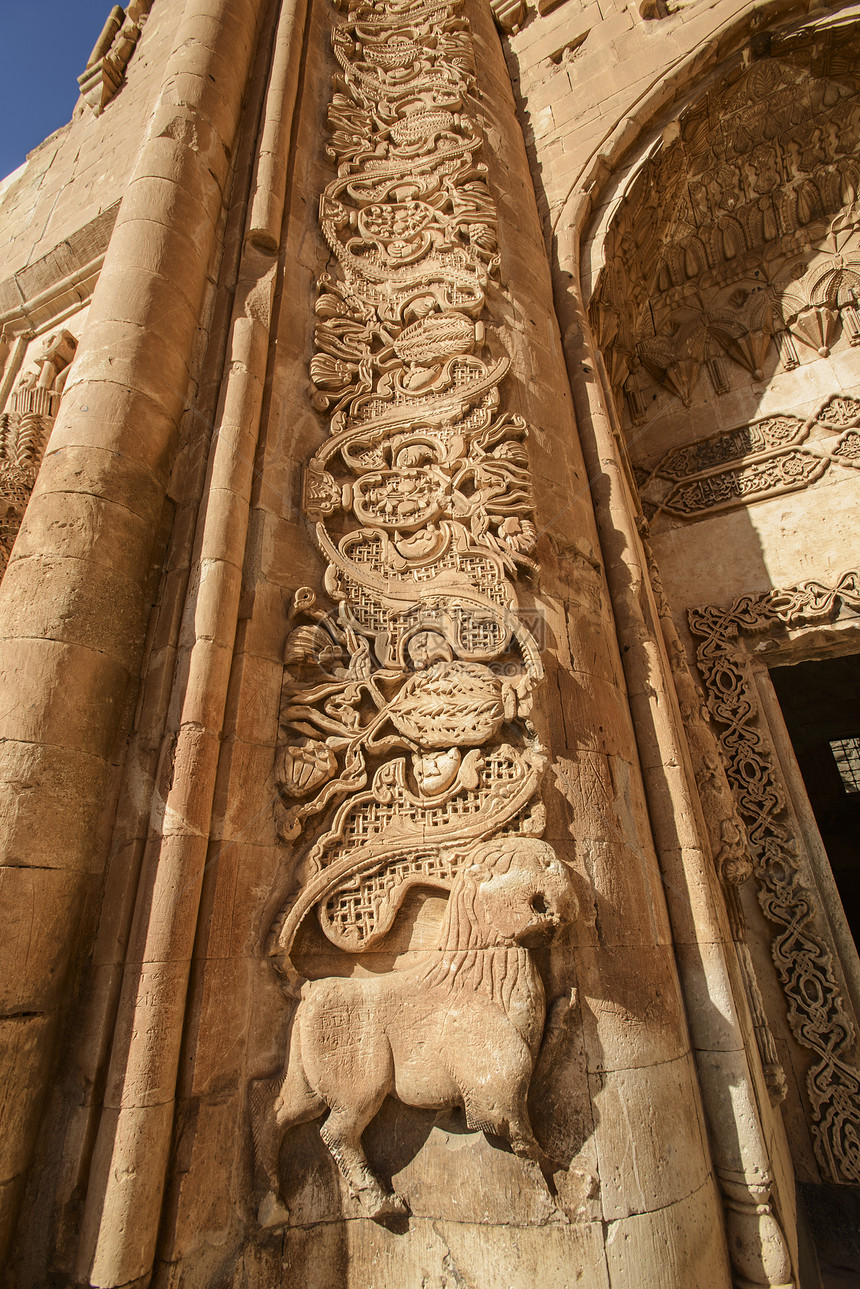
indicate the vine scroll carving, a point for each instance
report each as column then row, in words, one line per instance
column 817, row 1014
column 408, row 757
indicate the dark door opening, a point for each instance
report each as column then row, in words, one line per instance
column 820, row 702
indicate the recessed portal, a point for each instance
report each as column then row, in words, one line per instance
column 820, row 702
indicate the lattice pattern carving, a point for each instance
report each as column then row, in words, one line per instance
column 816, row 1011
column 423, row 477
column 405, row 715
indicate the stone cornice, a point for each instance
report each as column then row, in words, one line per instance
column 41, row 293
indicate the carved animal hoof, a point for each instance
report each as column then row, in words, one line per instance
column 382, row 1204
column 272, row 1213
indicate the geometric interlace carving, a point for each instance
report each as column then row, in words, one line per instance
column 405, row 719
column 396, row 692
column 775, row 455
column 816, row 1012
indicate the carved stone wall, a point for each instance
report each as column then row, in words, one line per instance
column 368, row 822
column 105, row 69
column 768, row 458
column 449, row 688
column 721, row 263
column 25, row 428
column 407, row 705
column 736, row 245
column 817, row 1013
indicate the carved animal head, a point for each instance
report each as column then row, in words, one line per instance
column 516, row 892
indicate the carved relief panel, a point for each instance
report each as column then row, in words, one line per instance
column 737, row 243
column 774, row 455
column 820, row 1019
column 25, row 427
column 407, row 756
column 734, row 261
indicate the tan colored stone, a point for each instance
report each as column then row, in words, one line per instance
column 289, row 773
column 28, row 1042
column 53, row 802
column 631, row 1006
column 646, row 1127
column 33, row 951
column 673, row 1239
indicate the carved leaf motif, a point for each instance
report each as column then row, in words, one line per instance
column 450, row 704
column 303, row 767
column 424, row 505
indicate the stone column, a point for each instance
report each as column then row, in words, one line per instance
column 615, row 1096
column 77, row 593
column 130, row 1163
column 713, row 993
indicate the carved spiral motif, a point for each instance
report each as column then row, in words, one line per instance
column 421, row 496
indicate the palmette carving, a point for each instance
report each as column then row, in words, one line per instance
column 816, row 1011
column 407, row 757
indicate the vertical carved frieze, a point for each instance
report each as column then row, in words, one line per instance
column 728, row 835
column 816, row 1011
column 407, row 756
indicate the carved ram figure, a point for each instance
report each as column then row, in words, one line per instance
column 462, row 1028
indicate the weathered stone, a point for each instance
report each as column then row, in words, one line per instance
column 392, row 413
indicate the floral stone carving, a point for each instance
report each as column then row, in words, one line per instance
column 816, row 1011
column 407, row 755
column 25, row 429
column 767, row 458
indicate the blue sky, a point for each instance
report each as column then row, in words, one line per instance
column 44, row 46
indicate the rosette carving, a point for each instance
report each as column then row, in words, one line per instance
column 407, row 756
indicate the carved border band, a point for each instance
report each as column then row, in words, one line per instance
column 817, row 1015
column 768, row 457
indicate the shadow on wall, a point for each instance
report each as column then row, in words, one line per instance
column 726, row 311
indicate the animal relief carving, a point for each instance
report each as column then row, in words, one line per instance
column 461, row 1028
column 408, row 763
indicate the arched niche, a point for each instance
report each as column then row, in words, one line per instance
column 721, row 274
column 726, row 297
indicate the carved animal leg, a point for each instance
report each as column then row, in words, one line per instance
column 511, row 1121
column 341, row 1132
column 268, row 1137
column 527, row 1148
column 275, row 1108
